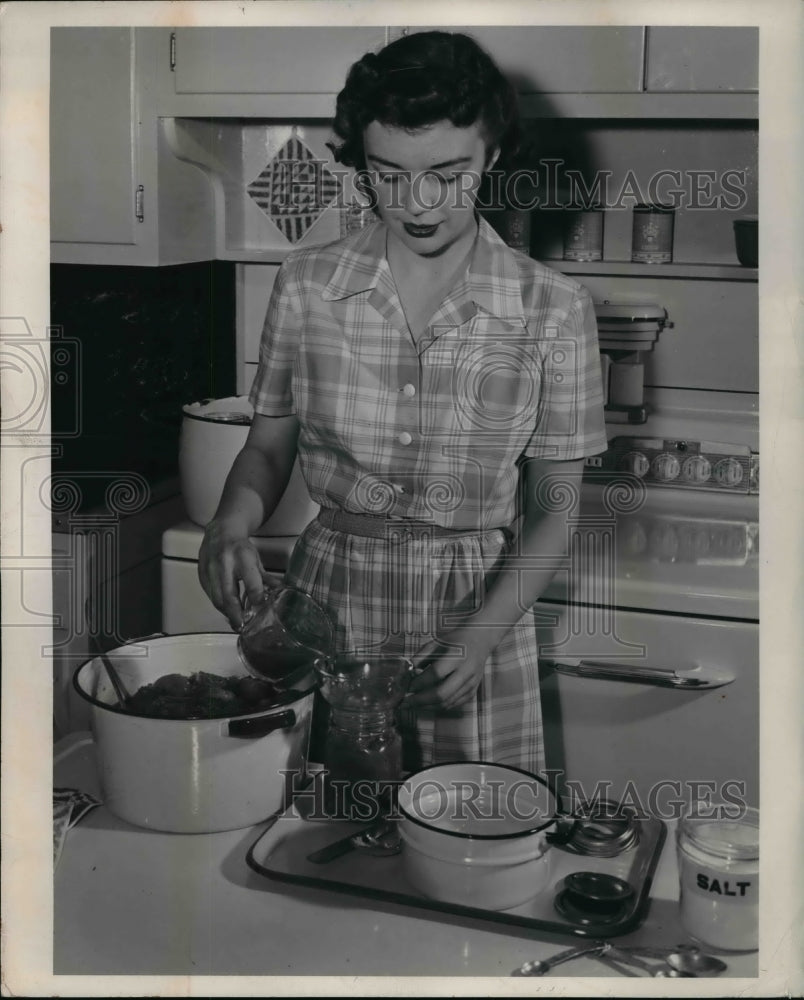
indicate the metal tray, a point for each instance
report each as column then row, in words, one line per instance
column 280, row 854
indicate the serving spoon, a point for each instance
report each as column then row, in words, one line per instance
column 114, row 677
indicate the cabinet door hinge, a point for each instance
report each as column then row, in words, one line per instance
column 139, row 203
column 172, row 51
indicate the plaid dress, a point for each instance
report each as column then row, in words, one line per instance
column 429, row 433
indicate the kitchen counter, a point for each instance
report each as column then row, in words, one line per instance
column 130, row 901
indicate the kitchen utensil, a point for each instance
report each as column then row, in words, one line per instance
column 682, row 960
column 117, row 684
column 199, row 775
column 474, row 831
column 660, row 971
column 541, row 966
column 691, row 960
column 213, row 431
column 282, row 637
column 380, row 840
column 620, row 968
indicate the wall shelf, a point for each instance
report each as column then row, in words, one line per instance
column 623, row 268
column 611, row 268
column 638, row 105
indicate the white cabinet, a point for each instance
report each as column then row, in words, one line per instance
column 269, row 72
column 268, row 60
column 93, row 172
column 118, row 196
column 548, row 59
column 702, row 59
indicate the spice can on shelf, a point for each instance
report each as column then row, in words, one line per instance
column 652, row 236
column 583, row 234
column 355, row 216
column 513, row 225
column 718, row 862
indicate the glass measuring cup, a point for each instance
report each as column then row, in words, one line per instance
column 283, row 636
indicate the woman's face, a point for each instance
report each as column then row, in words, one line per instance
column 425, row 182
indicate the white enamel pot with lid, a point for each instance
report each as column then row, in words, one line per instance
column 213, row 432
column 477, row 834
column 192, row 775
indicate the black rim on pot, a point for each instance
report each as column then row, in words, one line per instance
column 283, row 699
column 486, row 836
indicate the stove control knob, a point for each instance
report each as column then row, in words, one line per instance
column 666, row 467
column 696, row 469
column 634, row 462
column 729, row 472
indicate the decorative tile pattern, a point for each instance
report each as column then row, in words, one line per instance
column 294, row 189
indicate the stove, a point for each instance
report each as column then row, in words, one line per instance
column 649, row 634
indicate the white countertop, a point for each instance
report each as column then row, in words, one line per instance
column 130, row 901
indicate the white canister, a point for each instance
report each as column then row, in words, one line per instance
column 718, row 861
column 213, row 432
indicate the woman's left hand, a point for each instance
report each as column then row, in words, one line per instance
column 448, row 672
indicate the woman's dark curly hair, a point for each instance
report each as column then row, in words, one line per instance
column 421, row 79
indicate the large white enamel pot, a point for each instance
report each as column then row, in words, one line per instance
column 192, row 776
column 213, row 432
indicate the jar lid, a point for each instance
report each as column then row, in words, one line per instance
column 733, row 839
column 655, row 206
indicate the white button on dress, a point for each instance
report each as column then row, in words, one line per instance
column 405, row 438
column 409, row 389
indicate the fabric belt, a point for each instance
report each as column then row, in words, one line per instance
column 379, row 526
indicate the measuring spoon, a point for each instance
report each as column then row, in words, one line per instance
column 380, row 840
column 690, row 960
column 541, row 966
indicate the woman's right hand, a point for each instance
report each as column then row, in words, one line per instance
column 253, row 489
column 226, row 559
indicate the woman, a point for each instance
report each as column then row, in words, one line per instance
column 434, row 383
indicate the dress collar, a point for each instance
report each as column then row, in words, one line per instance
column 491, row 282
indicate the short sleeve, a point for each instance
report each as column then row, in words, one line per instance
column 570, row 422
column 271, row 392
